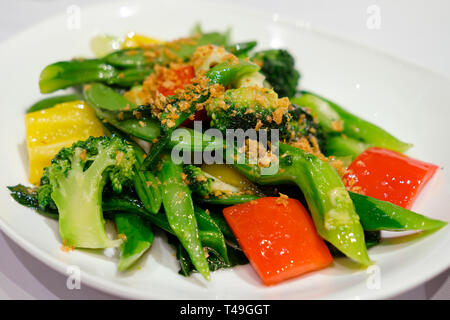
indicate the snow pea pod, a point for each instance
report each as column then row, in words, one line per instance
column 372, row 239
column 64, row 74
column 330, row 205
column 229, row 200
column 334, row 118
column 138, row 238
column 186, row 266
column 124, row 67
column 27, row 197
column 130, row 77
column 163, row 54
column 215, row 262
column 101, row 96
column 242, row 48
column 52, row 101
column 133, row 223
column 342, row 146
column 134, row 206
column 225, row 73
column 179, row 210
column 210, row 233
column 187, row 139
column 110, row 106
column 225, row 229
column 146, row 184
column 382, row 215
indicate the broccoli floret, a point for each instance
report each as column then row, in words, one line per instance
column 303, row 124
column 277, row 65
column 250, row 108
column 260, row 108
column 198, row 182
column 74, row 182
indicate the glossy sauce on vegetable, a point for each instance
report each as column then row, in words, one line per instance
column 389, row 176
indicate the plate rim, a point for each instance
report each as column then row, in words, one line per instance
column 124, row 291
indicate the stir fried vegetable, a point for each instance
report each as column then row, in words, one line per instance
column 198, row 138
column 75, row 182
column 258, row 225
column 388, row 176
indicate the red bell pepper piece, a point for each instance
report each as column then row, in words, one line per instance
column 278, row 237
column 389, row 176
column 181, row 76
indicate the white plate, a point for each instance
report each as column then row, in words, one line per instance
column 410, row 102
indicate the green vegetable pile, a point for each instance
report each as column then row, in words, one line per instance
column 113, row 178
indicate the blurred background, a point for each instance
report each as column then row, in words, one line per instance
column 416, row 31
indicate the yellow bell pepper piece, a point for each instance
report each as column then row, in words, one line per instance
column 134, row 40
column 48, row 130
column 229, row 175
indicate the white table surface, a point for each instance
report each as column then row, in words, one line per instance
column 417, row 31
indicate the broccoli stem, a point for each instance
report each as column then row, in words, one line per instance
column 86, row 186
column 179, row 210
column 334, row 119
column 330, row 205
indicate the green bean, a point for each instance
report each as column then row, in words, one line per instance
column 179, row 210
